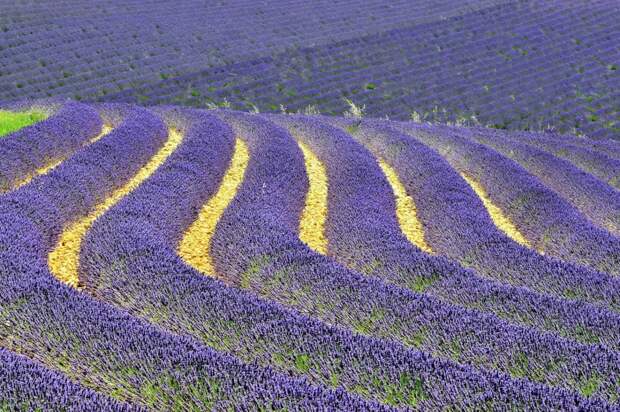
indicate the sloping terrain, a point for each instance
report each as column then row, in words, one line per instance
column 170, row 258
column 509, row 64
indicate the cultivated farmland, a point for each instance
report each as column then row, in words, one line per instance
column 509, row 64
column 309, row 205
column 179, row 258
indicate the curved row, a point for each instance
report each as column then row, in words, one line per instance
column 364, row 234
column 312, row 221
column 26, row 385
column 547, row 221
column 457, row 225
column 129, row 260
column 63, row 260
column 53, row 164
column 593, row 198
column 406, row 211
column 196, row 243
column 256, row 247
column 36, row 149
column 498, row 217
column 602, row 165
column 95, row 344
column 606, row 147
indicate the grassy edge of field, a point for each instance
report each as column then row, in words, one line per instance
column 13, row 121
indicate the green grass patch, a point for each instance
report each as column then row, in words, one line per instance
column 13, row 121
column 302, row 363
column 365, row 326
column 520, row 365
column 409, row 391
column 590, row 386
column 255, row 266
column 583, row 334
column 370, row 267
column 421, row 283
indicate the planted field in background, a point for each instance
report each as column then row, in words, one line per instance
column 507, row 64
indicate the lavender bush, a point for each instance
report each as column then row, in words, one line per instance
column 101, row 347
column 534, row 65
column 474, row 321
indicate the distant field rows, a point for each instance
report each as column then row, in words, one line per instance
column 68, row 38
column 304, row 262
column 519, row 65
column 509, row 64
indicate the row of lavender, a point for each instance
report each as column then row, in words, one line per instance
column 457, row 225
column 553, row 223
column 526, row 65
column 405, row 299
column 256, row 247
column 359, row 223
column 93, row 343
column 69, row 48
column 454, row 61
column 221, row 316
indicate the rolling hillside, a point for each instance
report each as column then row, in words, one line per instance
column 169, row 258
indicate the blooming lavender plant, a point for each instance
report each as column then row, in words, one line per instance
column 141, row 233
column 370, row 323
column 457, row 225
column 270, row 260
column 548, row 221
column 600, row 164
column 364, row 234
column 26, row 385
column 593, row 198
column 53, row 139
column 102, row 347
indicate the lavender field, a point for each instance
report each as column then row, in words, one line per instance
column 508, row 64
column 186, row 259
column 298, row 207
